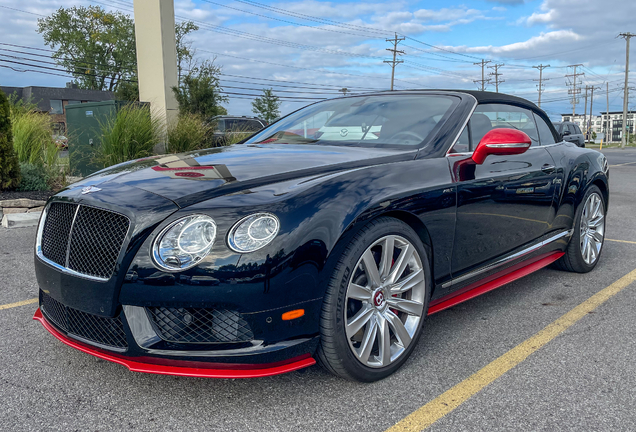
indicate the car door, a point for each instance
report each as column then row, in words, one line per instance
column 504, row 203
column 580, row 137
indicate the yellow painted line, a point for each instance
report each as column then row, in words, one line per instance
column 621, row 241
column 627, row 163
column 454, row 397
column 20, row 303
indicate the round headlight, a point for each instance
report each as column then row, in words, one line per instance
column 184, row 243
column 253, row 232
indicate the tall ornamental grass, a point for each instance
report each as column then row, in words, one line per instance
column 131, row 134
column 188, row 132
column 33, row 138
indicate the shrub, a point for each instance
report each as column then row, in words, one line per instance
column 33, row 137
column 187, row 133
column 236, row 135
column 9, row 168
column 34, row 178
column 131, row 134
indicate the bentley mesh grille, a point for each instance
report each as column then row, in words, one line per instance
column 200, row 325
column 101, row 330
column 83, row 239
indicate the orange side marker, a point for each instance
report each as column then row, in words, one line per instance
column 287, row 316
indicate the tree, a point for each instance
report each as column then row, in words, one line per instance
column 200, row 91
column 9, row 167
column 267, row 106
column 95, row 46
column 185, row 52
column 128, row 90
column 98, row 48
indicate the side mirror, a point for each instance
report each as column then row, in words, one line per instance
column 566, row 133
column 502, row 141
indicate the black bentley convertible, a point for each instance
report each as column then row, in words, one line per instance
column 326, row 237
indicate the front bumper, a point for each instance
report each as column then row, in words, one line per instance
column 170, row 366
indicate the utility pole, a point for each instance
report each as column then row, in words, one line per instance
column 574, row 91
column 395, row 52
column 592, row 105
column 585, row 115
column 541, row 79
column 627, row 37
column 607, row 125
column 483, row 80
column 496, row 74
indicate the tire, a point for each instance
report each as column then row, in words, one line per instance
column 354, row 295
column 579, row 258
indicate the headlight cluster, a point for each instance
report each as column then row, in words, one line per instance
column 253, row 232
column 186, row 241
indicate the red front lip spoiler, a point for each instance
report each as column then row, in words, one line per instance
column 183, row 368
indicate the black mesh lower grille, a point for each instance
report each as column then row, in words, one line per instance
column 104, row 331
column 200, row 325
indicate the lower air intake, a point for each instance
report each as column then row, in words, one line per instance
column 107, row 332
column 199, row 325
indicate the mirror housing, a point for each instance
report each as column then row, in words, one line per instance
column 566, row 133
column 503, row 142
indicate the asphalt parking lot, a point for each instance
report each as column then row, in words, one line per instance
column 583, row 379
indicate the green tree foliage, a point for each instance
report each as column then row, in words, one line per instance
column 128, row 91
column 267, row 106
column 9, row 167
column 96, row 46
column 185, row 52
column 200, row 91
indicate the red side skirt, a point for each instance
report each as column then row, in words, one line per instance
column 184, row 368
column 493, row 282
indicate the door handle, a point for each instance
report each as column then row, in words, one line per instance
column 548, row 169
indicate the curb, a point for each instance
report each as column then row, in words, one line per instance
column 21, row 220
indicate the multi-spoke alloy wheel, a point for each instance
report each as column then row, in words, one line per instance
column 592, row 228
column 384, row 301
column 585, row 247
column 376, row 301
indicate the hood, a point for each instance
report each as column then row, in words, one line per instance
column 189, row 178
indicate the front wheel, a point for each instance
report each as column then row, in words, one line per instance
column 376, row 302
column 588, row 237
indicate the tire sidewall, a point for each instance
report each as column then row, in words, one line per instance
column 369, row 234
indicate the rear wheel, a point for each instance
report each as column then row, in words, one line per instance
column 588, row 237
column 376, row 302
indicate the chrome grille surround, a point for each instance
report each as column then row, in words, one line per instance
column 81, row 240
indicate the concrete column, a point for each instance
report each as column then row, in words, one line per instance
column 157, row 58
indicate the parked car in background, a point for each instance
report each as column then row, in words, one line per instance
column 228, row 127
column 570, row 132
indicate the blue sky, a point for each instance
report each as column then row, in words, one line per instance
column 333, row 44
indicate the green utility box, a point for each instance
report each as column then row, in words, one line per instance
column 83, row 125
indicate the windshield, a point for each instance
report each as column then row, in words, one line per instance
column 371, row 121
